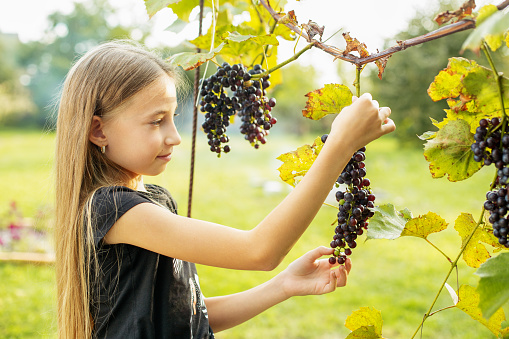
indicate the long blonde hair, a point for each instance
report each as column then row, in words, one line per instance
column 97, row 84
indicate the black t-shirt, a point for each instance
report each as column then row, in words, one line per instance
column 139, row 293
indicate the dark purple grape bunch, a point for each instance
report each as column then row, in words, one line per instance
column 255, row 114
column 218, row 106
column 249, row 102
column 355, row 204
column 491, row 146
column 497, row 203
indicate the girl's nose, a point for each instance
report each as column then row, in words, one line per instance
column 173, row 136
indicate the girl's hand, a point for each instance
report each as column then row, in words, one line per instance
column 361, row 122
column 310, row 275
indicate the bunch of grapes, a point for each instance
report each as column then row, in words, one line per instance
column 491, row 146
column 256, row 108
column 248, row 101
column 354, row 206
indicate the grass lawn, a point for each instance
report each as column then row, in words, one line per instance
column 400, row 277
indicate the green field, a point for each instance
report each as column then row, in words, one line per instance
column 399, row 277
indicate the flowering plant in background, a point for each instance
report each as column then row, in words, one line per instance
column 21, row 234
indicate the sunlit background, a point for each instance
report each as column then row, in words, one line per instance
column 39, row 40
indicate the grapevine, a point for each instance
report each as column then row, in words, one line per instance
column 248, row 101
column 355, row 203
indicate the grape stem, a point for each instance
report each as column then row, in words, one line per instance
column 278, row 66
column 438, row 249
column 454, row 263
column 358, row 71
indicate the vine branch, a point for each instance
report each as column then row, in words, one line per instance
column 453, row 28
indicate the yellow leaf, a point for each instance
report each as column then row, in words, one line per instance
column 365, row 317
column 297, row 163
column 424, row 225
column 330, row 99
column 475, row 252
column 468, row 303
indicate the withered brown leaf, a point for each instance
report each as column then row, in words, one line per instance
column 289, row 18
column 353, row 45
column 462, row 12
column 381, row 63
column 313, row 29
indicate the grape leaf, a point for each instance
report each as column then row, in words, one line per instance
column 424, row 225
column 452, row 293
column 447, row 83
column 328, row 100
column 464, row 11
column 475, row 252
column 190, row 60
column 365, row 317
column 154, row 6
column 183, row 8
column 428, row 135
column 267, row 39
column 364, row 332
column 469, row 303
column 492, row 30
column 297, row 163
column 493, row 282
column 387, row 223
column 449, row 152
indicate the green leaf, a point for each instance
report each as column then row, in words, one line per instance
column 493, row 284
column 424, row 225
column 428, row 135
column 449, row 152
column 190, row 60
column 469, row 303
column 154, row 6
column 364, row 332
column 177, row 26
column 183, row 8
column 387, row 223
column 475, row 252
column 328, row 100
column 267, row 39
column 366, row 317
column 491, row 29
column 297, row 163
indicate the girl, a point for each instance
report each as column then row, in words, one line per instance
column 125, row 259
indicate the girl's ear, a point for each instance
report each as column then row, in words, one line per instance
column 96, row 135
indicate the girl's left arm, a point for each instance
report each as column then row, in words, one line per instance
column 307, row 275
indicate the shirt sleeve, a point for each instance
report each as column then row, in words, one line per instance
column 108, row 205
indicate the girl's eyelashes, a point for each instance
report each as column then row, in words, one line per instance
column 157, row 122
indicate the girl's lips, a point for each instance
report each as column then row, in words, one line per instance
column 166, row 157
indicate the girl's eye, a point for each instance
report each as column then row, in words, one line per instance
column 157, row 122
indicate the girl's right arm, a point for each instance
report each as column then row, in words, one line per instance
column 263, row 247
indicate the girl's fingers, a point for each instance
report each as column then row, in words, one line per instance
column 384, row 112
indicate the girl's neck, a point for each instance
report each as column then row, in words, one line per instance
column 137, row 184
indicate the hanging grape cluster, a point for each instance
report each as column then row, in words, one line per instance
column 491, row 146
column 248, row 101
column 355, row 203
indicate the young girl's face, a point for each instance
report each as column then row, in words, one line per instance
column 142, row 134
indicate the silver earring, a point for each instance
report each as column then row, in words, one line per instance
column 103, row 149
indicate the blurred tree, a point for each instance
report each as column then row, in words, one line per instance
column 409, row 74
column 15, row 100
column 298, row 80
column 69, row 36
